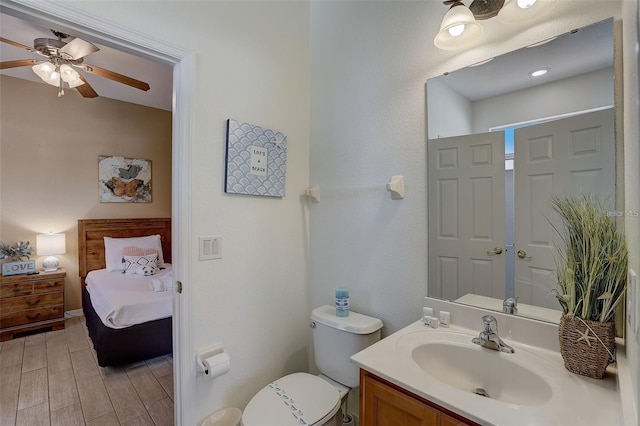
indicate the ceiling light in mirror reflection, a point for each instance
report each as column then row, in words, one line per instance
column 539, row 72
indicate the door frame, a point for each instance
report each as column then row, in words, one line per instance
column 67, row 18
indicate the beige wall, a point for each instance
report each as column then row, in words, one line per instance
column 49, row 150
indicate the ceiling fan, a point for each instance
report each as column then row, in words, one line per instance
column 62, row 58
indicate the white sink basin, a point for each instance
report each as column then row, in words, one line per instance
column 482, row 371
column 456, row 361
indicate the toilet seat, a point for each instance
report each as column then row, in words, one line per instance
column 296, row 399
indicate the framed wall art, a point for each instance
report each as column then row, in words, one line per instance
column 256, row 161
column 124, row 180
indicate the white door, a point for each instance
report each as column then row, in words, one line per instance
column 466, row 216
column 570, row 156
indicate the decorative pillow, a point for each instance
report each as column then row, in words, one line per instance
column 137, row 251
column 114, row 250
column 142, row 265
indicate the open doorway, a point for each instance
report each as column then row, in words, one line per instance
column 87, row 26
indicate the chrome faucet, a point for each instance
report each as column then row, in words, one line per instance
column 489, row 339
column 510, row 305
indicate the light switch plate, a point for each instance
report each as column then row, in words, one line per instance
column 210, row 248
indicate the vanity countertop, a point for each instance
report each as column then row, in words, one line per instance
column 576, row 400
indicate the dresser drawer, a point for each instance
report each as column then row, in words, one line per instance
column 24, row 303
column 31, row 303
column 14, row 290
column 48, row 286
column 31, row 315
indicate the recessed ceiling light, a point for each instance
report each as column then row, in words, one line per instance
column 539, row 72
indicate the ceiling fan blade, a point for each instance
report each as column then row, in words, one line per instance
column 86, row 90
column 78, row 48
column 111, row 75
column 14, row 43
column 18, row 63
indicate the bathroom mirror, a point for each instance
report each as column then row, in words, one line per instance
column 502, row 142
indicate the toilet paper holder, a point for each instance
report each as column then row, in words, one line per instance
column 209, row 352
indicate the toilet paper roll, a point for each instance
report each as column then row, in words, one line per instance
column 217, row 365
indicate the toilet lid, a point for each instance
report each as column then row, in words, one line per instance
column 296, row 399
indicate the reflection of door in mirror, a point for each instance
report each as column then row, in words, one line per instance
column 565, row 157
column 491, row 230
column 466, row 216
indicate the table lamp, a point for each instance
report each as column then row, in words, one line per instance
column 49, row 245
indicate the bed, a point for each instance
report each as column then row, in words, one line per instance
column 124, row 343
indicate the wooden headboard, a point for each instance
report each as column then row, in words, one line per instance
column 91, row 233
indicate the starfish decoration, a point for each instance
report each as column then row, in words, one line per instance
column 278, row 141
column 585, row 336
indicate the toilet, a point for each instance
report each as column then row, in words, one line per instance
column 306, row 399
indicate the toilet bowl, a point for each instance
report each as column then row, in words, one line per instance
column 306, row 399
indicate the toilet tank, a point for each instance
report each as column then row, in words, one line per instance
column 336, row 339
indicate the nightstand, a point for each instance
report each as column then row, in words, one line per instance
column 31, row 302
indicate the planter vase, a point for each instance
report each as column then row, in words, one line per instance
column 587, row 347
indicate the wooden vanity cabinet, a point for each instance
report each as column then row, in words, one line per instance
column 385, row 404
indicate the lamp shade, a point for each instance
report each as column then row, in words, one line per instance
column 51, row 74
column 47, row 72
column 515, row 11
column 49, row 245
column 459, row 29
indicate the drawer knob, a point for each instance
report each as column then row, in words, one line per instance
column 32, row 317
column 33, row 303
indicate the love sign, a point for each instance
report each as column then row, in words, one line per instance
column 15, row 268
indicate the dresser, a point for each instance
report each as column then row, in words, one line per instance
column 30, row 303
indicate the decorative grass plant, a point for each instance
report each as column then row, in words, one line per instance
column 592, row 265
column 21, row 250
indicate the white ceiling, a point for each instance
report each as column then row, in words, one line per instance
column 589, row 49
column 158, row 75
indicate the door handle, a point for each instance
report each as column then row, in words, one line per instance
column 497, row 250
column 523, row 255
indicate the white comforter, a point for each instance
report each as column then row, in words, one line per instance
column 122, row 300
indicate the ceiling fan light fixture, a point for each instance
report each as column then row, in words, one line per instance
column 43, row 70
column 51, row 74
column 70, row 76
column 459, row 28
column 47, row 72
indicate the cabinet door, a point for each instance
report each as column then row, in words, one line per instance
column 385, row 406
column 450, row 421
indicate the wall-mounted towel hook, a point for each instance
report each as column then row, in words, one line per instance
column 313, row 193
column 396, row 187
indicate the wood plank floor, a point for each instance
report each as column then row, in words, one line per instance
column 54, row 379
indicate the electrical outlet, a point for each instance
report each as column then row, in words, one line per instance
column 210, row 248
column 633, row 316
